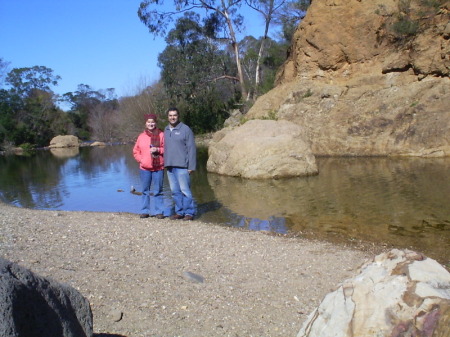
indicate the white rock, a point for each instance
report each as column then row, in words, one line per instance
column 399, row 292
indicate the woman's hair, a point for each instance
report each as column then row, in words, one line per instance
column 151, row 116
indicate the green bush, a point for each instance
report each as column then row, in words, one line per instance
column 27, row 147
column 405, row 27
column 271, row 115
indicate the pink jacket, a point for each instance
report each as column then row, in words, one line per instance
column 142, row 154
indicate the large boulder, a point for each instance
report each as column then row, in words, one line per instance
column 33, row 306
column 359, row 89
column 64, row 141
column 262, row 149
column 399, row 293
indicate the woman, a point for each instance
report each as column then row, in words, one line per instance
column 148, row 152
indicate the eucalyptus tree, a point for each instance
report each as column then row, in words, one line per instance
column 193, row 70
column 85, row 108
column 267, row 8
column 32, row 115
column 191, row 63
column 290, row 15
column 11, row 130
column 266, row 62
column 223, row 13
column 24, row 80
column 3, row 70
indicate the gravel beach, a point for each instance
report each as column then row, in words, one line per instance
column 150, row 277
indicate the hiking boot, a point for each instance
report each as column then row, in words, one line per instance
column 188, row 218
column 159, row 216
column 143, row 216
column 176, row 217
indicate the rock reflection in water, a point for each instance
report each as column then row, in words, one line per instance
column 66, row 152
column 382, row 200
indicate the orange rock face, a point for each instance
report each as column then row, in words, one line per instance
column 368, row 78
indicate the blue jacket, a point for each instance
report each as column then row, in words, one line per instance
column 179, row 147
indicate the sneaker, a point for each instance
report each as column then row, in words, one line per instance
column 143, row 216
column 188, row 218
column 159, row 216
column 176, row 217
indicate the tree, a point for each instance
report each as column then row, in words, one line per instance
column 289, row 16
column 11, row 130
column 28, row 110
column 43, row 119
column 149, row 99
column 191, row 62
column 84, row 102
column 267, row 8
column 3, row 70
column 24, row 80
column 193, row 69
column 220, row 13
column 103, row 122
column 270, row 59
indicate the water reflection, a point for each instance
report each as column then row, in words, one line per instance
column 88, row 181
column 31, row 181
column 66, row 152
column 401, row 202
column 395, row 201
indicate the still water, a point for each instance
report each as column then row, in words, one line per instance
column 402, row 202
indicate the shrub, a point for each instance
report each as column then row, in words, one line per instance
column 405, row 27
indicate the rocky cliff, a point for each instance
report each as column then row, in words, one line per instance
column 368, row 77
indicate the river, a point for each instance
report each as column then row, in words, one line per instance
column 399, row 202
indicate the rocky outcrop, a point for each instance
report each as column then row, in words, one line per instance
column 399, row 293
column 365, row 87
column 262, row 149
column 34, row 306
column 64, row 141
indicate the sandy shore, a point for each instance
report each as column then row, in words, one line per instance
column 134, row 272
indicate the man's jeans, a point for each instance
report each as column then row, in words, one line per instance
column 180, row 185
column 152, row 192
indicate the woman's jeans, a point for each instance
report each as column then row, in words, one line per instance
column 180, row 185
column 152, row 192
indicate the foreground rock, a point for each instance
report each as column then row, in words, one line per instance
column 64, row 141
column 399, row 293
column 33, row 306
column 362, row 88
column 262, row 149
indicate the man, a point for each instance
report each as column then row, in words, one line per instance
column 180, row 161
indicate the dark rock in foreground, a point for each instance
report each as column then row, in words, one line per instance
column 31, row 305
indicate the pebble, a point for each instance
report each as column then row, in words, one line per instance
column 193, row 277
column 116, row 315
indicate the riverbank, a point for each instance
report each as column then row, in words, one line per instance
column 134, row 272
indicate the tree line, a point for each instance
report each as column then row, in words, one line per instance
column 205, row 72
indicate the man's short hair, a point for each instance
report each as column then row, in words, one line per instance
column 173, row 109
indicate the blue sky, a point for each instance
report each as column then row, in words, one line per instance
column 96, row 42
